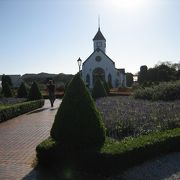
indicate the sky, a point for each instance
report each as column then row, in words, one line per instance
column 50, row 35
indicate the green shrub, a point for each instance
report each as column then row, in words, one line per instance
column 10, row 111
column 144, row 93
column 5, row 79
column 167, row 91
column 7, row 90
column 115, row 156
column 110, row 84
column 22, row 91
column 98, row 90
column 106, row 87
column 78, row 124
column 34, row 93
column 164, row 91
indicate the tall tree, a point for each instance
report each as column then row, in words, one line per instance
column 5, row 79
column 22, row 91
column 129, row 79
column 142, row 76
column 7, row 90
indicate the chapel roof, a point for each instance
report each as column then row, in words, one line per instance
column 99, row 35
column 98, row 50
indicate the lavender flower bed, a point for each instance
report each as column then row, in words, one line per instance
column 126, row 116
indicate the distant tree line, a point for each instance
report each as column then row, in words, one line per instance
column 162, row 72
column 31, row 93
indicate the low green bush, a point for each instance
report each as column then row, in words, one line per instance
column 115, row 156
column 144, row 93
column 166, row 91
column 10, row 111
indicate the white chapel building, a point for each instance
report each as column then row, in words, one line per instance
column 99, row 65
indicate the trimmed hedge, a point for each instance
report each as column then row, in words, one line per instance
column 10, row 111
column 114, row 157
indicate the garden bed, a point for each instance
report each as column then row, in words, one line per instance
column 144, row 130
column 126, row 116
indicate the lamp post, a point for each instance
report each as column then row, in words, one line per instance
column 79, row 61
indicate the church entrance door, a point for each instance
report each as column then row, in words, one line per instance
column 98, row 73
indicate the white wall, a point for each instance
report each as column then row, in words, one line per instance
column 105, row 63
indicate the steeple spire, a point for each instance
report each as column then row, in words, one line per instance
column 98, row 22
column 99, row 40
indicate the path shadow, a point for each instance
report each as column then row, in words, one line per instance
column 38, row 174
column 53, row 109
column 57, row 174
column 37, row 111
column 159, row 168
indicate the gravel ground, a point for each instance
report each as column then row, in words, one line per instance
column 162, row 168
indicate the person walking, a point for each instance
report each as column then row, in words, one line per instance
column 51, row 91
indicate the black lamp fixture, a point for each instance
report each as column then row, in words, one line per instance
column 79, row 61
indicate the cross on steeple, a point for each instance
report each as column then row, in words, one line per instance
column 99, row 22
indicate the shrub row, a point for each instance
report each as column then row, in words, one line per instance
column 10, row 111
column 164, row 91
column 114, row 157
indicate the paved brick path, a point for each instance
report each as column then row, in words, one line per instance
column 19, row 138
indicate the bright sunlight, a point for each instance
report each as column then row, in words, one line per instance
column 127, row 5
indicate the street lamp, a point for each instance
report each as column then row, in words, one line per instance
column 79, row 61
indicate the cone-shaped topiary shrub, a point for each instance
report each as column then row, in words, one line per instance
column 98, row 90
column 7, row 90
column 78, row 124
column 106, row 87
column 110, row 85
column 34, row 92
column 22, row 91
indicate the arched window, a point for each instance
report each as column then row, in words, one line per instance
column 87, row 80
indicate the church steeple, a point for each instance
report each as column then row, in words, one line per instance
column 99, row 41
column 99, row 35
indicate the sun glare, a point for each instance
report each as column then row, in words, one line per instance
column 129, row 5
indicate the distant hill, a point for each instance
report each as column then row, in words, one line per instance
column 43, row 78
column 40, row 75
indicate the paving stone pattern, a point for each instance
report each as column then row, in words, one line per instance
column 19, row 138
